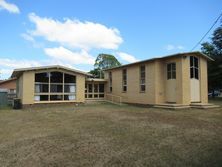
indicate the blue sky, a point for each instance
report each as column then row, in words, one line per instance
column 73, row 33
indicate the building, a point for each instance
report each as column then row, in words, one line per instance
column 175, row 79
column 8, row 85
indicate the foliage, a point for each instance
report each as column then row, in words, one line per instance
column 214, row 50
column 104, row 61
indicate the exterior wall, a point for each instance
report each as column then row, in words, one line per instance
column 26, row 84
column 80, row 88
column 203, row 81
column 8, row 85
column 28, row 87
column 133, row 94
column 156, row 81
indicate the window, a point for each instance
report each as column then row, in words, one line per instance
column 52, row 86
column 142, row 78
column 110, row 82
column 194, row 67
column 171, row 71
column 94, row 90
column 124, row 80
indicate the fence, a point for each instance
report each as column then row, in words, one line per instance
column 114, row 99
column 6, row 98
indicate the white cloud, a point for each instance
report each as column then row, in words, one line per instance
column 127, row 57
column 76, row 34
column 66, row 55
column 28, row 37
column 12, row 8
column 171, row 47
column 8, row 65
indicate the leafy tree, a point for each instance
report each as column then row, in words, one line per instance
column 214, row 50
column 104, row 61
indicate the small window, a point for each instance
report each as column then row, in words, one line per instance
column 194, row 67
column 124, row 80
column 110, row 82
column 171, row 71
column 142, row 78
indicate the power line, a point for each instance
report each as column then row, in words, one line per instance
column 207, row 32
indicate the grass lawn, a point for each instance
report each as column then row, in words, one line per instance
column 110, row 135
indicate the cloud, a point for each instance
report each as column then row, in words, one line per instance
column 127, row 57
column 29, row 38
column 171, row 47
column 66, row 55
column 12, row 8
column 8, row 65
column 76, row 34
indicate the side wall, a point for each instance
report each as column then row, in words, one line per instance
column 133, row 94
column 203, row 81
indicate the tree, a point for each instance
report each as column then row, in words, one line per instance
column 104, row 61
column 214, row 50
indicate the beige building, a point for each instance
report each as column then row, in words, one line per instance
column 179, row 79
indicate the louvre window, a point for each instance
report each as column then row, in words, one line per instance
column 124, row 80
column 194, row 67
column 171, row 71
column 142, row 78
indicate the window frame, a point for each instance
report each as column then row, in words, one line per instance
column 194, row 67
column 50, row 93
column 124, row 80
column 142, row 79
column 171, row 70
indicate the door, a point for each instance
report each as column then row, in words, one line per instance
column 171, row 88
column 194, row 79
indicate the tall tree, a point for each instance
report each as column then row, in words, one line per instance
column 104, row 61
column 214, row 50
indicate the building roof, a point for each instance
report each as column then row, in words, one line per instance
column 7, row 80
column 164, row 57
column 96, row 79
column 18, row 72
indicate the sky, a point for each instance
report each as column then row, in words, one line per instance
column 73, row 33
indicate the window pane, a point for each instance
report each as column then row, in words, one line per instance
column 41, row 88
column 191, row 61
column 96, row 88
column 42, row 77
column 142, row 88
column 56, row 77
column 69, row 97
column 96, row 96
column 142, row 81
column 41, row 98
column 101, row 95
column 70, row 78
column 173, row 66
column 56, row 88
column 169, row 75
column 196, row 73
column 173, row 74
column 55, row 97
column 191, row 73
column 196, row 62
column 101, row 88
column 90, row 88
column 124, row 88
column 168, row 67
column 110, row 89
column 90, row 96
column 69, row 88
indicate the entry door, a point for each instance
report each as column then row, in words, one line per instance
column 171, row 83
column 194, row 79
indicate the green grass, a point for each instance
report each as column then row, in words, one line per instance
column 110, row 135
